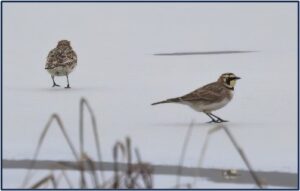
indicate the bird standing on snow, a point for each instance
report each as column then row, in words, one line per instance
column 61, row 61
column 210, row 97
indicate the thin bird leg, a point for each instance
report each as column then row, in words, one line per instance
column 54, row 84
column 68, row 86
column 212, row 119
column 219, row 119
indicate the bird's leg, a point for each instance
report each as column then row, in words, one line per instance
column 68, row 86
column 219, row 119
column 212, row 119
column 54, row 84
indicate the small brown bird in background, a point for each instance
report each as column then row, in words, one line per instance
column 210, row 97
column 61, row 61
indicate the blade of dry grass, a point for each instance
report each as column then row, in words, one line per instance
column 81, row 167
column 129, row 181
column 56, row 118
column 84, row 102
column 131, row 176
column 205, row 145
column 243, row 156
column 236, row 146
column 203, row 151
column 183, row 151
column 63, row 167
column 116, row 149
column 44, row 181
column 93, row 171
column 146, row 171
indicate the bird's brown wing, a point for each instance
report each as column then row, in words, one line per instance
column 209, row 93
column 71, row 55
column 212, row 92
column 51, row 59
column 60, row 58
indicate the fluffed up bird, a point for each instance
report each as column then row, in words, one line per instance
column 61, row 61
column 210, row 97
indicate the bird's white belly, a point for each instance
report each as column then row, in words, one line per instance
column 200, row 106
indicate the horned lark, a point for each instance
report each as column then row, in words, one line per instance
column 210, row 97
column 61, row 61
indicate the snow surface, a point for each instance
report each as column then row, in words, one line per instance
column 120, row 77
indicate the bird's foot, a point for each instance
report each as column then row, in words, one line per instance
column 217, row 121
column 68, row 86
column 213, row 121
column 55, row 85
column 221, row 121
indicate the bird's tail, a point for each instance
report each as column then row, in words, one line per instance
column 172, row 100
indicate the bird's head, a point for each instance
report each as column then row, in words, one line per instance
column 228, row 80
column 63, row 44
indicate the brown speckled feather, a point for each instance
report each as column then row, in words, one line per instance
column 60, row 57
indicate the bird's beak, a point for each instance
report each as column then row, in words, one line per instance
column 237, row 78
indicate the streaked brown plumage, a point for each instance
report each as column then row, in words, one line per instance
column 61, row 61
column 210, row 97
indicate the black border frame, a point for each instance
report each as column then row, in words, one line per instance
column 162, row 1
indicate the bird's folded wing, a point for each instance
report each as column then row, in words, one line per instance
column 52, row 60
column 202, row 95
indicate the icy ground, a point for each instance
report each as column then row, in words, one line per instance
column 120, row 77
